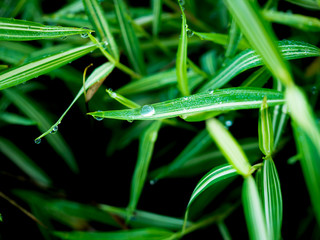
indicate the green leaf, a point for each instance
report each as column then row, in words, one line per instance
column 16, row 119
column 129, row 37
column 271, row 198
column 99, row 74
column 157, row 12
column 157, row 81
column 145, row 219
column 124, row 101
column 100, row 23
column 260, row 36
column 214, row 176
column 311, row 4
column 265, row 129
column 134, row 234
column 221, row 39
column 229, row 147
column 147, row 141
column 20, row 30
column 25, row 72
column 218, row 100
column 309, row 155
column 181, row 62
column 294, row 20
column 253, row 211
column 234, row 39
column 34, row 112
column 24, row 162
column 249, row 59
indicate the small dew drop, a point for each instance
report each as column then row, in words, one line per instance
column 228, row 123
column 210, row 91
column 182, row 2
column 153, row 182
column 63, row 38
column 105, row 44
column 54, row 130
column 113, row 95
column 314, row 90
column 147, row 110
column 190, row 33
column 98, row 118
column 185, row 98
column 130, row 120
column 84, row 35
column 37, row 141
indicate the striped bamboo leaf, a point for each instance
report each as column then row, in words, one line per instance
column 20, row 30
column 265, row 129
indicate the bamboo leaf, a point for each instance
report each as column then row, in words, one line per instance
column 271, row 199
column 181, row 62
column 214, row 176
column 265, row 129
column 133, row 234
column 249, row 59
column 147, row 141
column 24, row 162
column 218, row 100
column 124, row 101
column 129, row 37
column 260, row 36
column 98, row 75
column 29, row 108
column 100, row 23
column 20, row 30
column 229, row 147
column 294, row 20
column 45, row 64
column 234, row 39
column 253, row 211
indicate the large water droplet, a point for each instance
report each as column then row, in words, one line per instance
column 98, row 118
column 84, row 35
column 54, row 130
column 37, row 141
column 147, row 110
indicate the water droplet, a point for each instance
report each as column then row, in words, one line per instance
column 190, row 33
column 314, row 90
column 54, row 130
column 105, row 44
column 98, row 118
column 185, row 98
column 182, row 2
column 153, row 181
column 228, row 123
column 130, row 120
column 37, row 141
column 84, row 35
column 113, row 95
column 147, row 110
column 63, row 37
column 210, row 91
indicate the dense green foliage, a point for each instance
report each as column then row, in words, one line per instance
column 219, row 102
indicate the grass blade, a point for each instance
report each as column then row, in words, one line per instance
column 145, row 219
column 25, row 72
column 124, row 101
column 218, row 100
column 20, row 30
column 129, row 37
column 265, row 130
column 214, row 176
column 157, row 12
column 221, row 39
column 249, row 59
column 294, row 20
column 181, row 62
column 38, row 115
column 134, row 234
column 16, row 119
column 229, row 147
column 309, row 160
column 253, row 210
column 98, row 75
column 272, row 199
column 260, row 36
column 24, row 162
column 147, row 141
column 100, row 23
